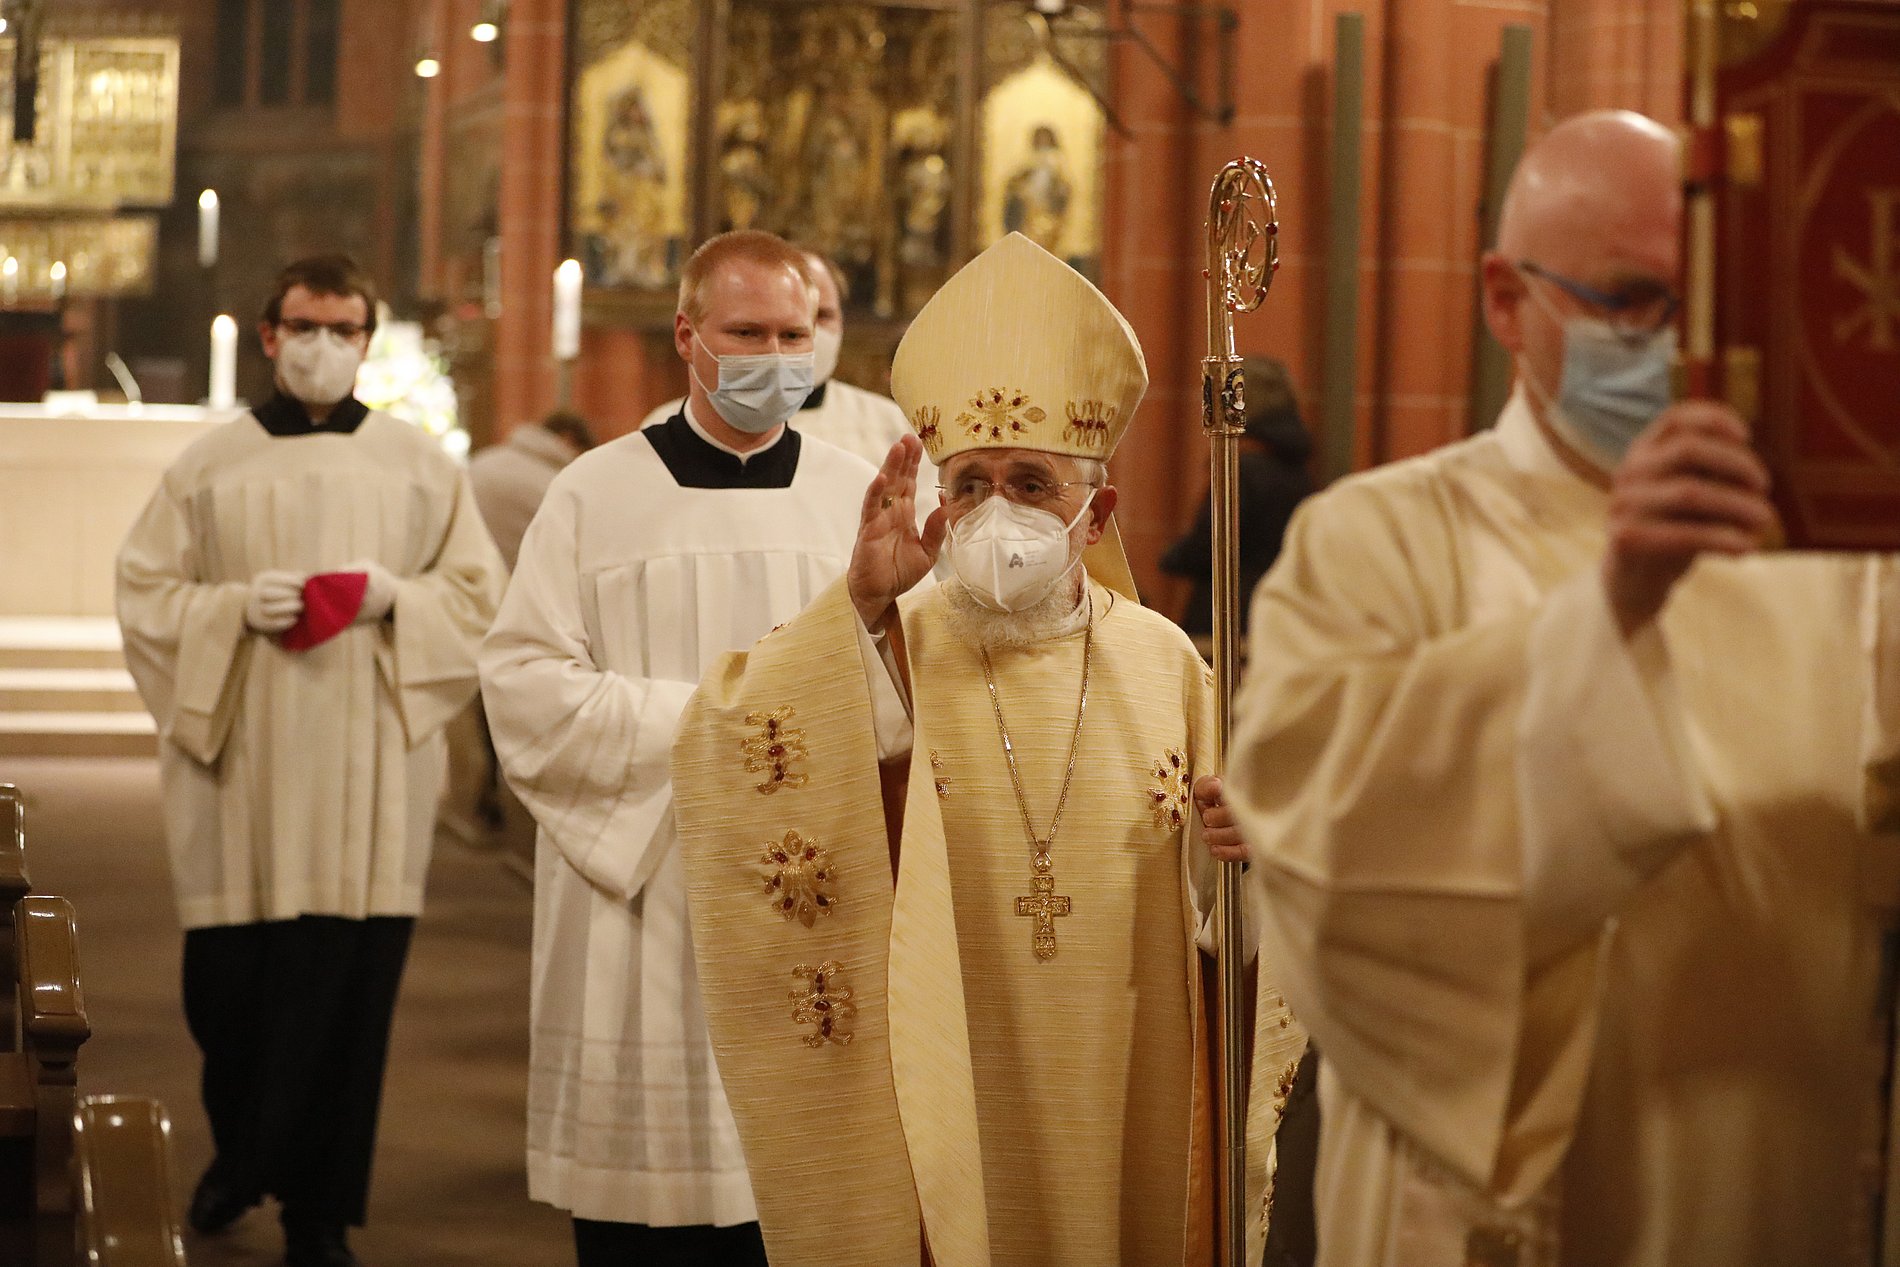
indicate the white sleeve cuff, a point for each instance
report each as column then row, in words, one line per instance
column 890, row 708
column 1608, row 784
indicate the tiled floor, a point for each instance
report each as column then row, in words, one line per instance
column 449, row 1189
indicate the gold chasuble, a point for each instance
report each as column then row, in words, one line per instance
column 873, row 1035
column 945, row 1036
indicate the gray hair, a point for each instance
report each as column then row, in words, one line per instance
column 1091, row 471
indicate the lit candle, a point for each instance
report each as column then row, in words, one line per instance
column 567, row 310
column 10, row 279
column 208, row 228
column 58, row 276
column 223, row 363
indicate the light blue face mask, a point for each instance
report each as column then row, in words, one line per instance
column 758, row 393
column 1612, row 389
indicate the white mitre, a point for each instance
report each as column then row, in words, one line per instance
column 1020, row 351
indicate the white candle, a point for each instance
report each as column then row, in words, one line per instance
column 208, row 228
column 10, row 279
column 223, row 363
column 58, row 275
column 567, row 310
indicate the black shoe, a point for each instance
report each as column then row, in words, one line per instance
column 217, row 1204
column 317, row 1245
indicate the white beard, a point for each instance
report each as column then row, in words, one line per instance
column 989, row 630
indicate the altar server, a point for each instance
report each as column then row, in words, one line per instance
column 856, row 420
column 652, row 556
column 999, row 1051
column 301, row 601
column 1575, row 813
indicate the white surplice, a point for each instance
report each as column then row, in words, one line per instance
column 628, row 587
column 1589, row 932
column 304, row 782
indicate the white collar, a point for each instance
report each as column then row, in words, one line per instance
column 1526, row 447
column 686, row 408
column 1084, row 612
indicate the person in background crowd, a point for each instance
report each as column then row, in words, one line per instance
column 512, row 477
column 1273, row 480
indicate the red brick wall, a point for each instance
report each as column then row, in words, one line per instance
column 1427, row 68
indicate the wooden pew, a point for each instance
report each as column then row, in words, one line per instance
column 13, row 887
column 39, row 1091
column 127, row 1217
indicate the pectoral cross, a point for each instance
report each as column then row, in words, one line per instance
column 1043, row 905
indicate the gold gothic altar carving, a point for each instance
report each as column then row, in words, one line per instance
column 107, row 136
column 898, row 138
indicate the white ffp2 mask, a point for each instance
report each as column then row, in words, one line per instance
column 826, row 343
column 1010, row 557
column 318, row 368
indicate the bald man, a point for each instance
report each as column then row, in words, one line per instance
column 1567, row 802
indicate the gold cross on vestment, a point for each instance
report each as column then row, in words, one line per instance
column 1043, row 903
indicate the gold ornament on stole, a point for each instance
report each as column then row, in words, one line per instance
column 1174, row 784
column 774, row 750
column 822, row 1000
column 799, row 878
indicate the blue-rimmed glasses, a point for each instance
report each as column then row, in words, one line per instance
column 1636, row 310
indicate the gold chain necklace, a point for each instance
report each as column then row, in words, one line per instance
column 1042, row 902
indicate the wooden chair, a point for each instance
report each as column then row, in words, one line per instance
column 127, row 1217
column 39, row 1181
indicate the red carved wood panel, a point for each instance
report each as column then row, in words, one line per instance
column 1808, row 270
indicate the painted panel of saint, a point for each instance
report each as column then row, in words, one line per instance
column 630, row 215
column 1042, row 133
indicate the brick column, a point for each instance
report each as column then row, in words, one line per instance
column 531, row 179
column 1616, row 54
column 431, row 148
column 1151, row 235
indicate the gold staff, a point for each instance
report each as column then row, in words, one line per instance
column 1242, row 253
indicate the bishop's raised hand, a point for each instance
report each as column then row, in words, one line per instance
column 891, row 554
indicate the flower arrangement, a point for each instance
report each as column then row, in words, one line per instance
column 404, row 376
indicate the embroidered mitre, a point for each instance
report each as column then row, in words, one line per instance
column 1020, row 351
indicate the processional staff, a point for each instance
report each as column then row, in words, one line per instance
column 1242, row 253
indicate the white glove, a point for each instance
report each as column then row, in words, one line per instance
column 379, row 595
column 275, row 601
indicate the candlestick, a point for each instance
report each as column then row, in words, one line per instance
column 208, row 229
column 224, row 333
column 567, row 310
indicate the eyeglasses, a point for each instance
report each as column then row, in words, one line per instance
column 348, row 331
column 1636, row 311
column 1024, row 490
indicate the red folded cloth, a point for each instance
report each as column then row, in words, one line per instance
column 330, row 602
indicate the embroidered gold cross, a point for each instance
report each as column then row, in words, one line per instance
column 1044, row 905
